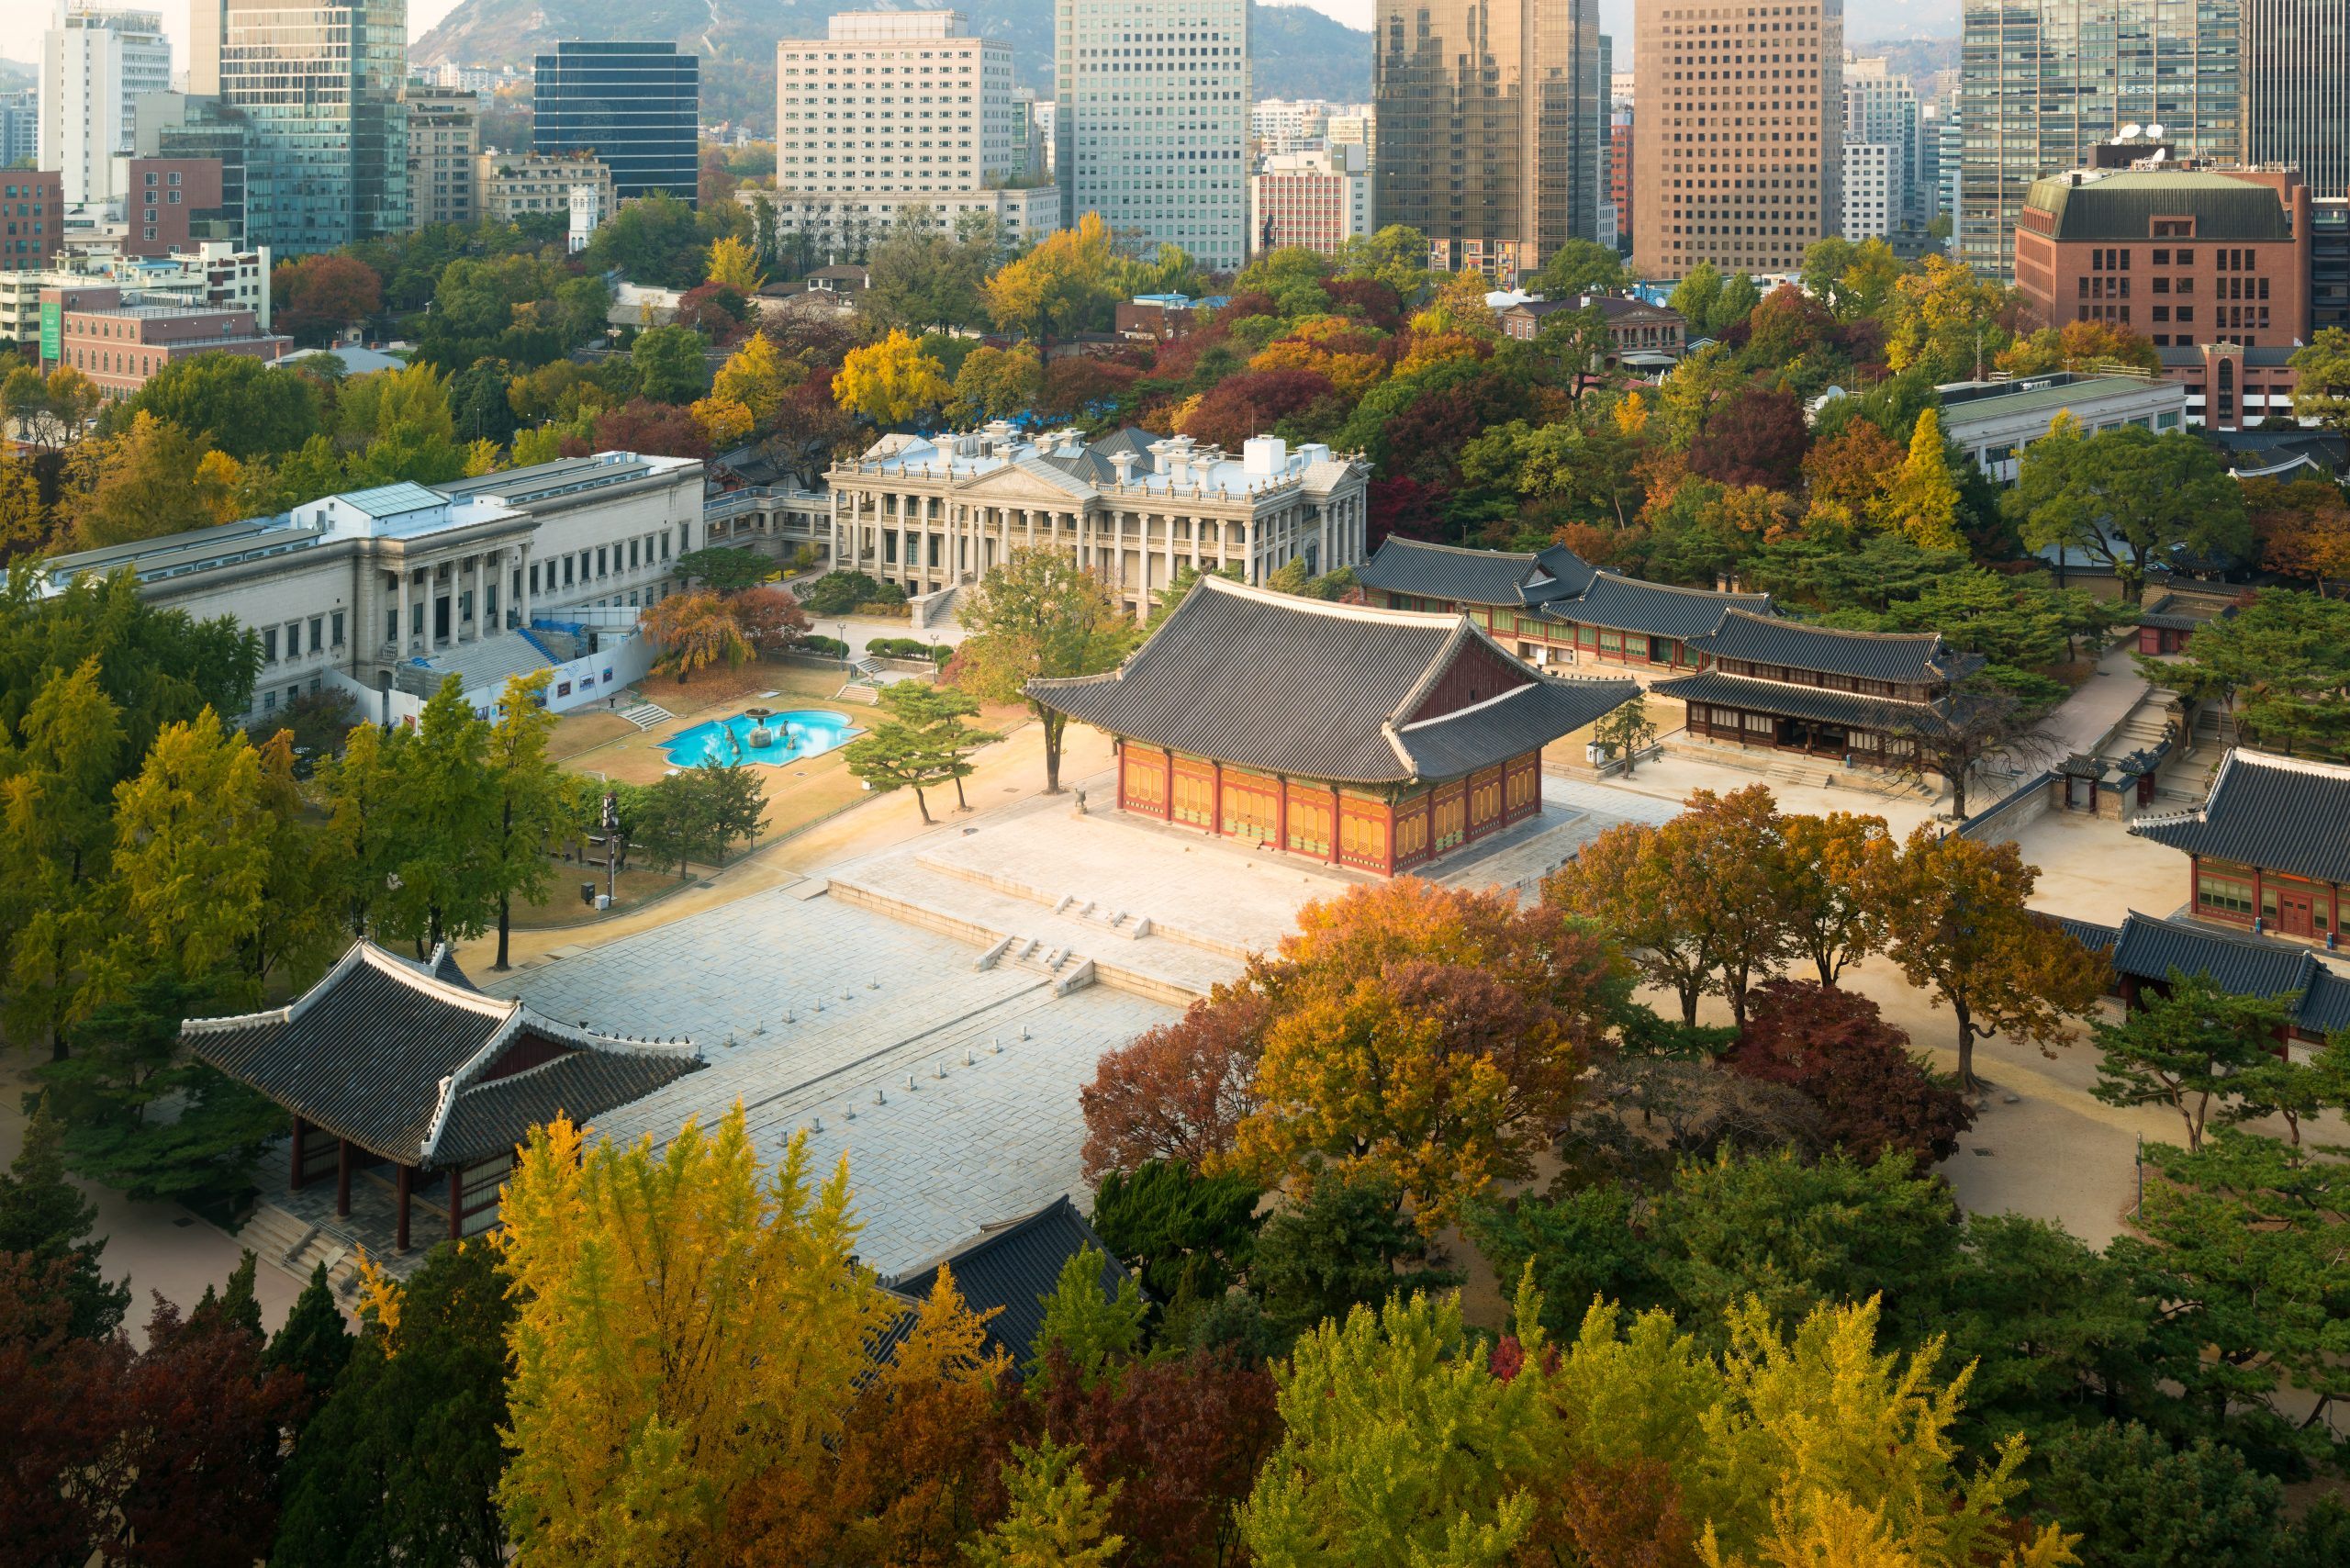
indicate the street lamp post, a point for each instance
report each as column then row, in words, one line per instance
column 611, row 845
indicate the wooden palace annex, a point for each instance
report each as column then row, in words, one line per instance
column 1552, row 606
column 1378, row 739
column 1864, row 694
column 390, row 1063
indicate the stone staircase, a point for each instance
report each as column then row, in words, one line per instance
column 1067, row 969
column 646, row 714
column 287, row 1241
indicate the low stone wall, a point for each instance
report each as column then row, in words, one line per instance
column 2003, row 818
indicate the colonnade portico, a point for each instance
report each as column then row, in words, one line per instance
column 486, row 591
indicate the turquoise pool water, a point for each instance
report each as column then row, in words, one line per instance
column 805, row 732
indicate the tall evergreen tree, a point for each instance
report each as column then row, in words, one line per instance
column 532, row 798
column 44, row 1219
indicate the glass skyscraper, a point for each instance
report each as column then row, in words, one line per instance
column 636, row 105
column 2297, row 89
column 317, row 87
column 1489, row 120
column 2042, row 82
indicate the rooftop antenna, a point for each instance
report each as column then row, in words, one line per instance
column 2130, row 132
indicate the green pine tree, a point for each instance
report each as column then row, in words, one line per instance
column 1084, row 1323
column 1057, row 1518
column 314, row 1340
column 45, row 1219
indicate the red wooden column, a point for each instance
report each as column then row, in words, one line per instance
column 1280, row 812
column 403, row 1182
column 300, row 1126
column 1167, row 805
column 342, row 1177
column 457, row 1203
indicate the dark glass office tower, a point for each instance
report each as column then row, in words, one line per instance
column 318, row 89
column 636, row 105
column 1490, row 116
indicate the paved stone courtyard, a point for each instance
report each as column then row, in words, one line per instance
column 931, row 1012
column 814, row 1013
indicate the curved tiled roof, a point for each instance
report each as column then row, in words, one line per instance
column 1655, row 610
column 1907, row 656
column 403, row 1059
column 1304, row 688
column 1447, row 571
column 2239, row 963
column 1561, row 584
column 2281, row 813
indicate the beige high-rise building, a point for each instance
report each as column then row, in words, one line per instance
column 444, row 139
column 1740, row 134
column 1490, row 118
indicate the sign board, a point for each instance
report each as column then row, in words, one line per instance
column 52, row 331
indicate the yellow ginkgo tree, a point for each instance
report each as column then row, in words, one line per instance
column 686, row 1324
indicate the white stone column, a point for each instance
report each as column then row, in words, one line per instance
column 522, row 604
column 480, row 596
column 399, row 643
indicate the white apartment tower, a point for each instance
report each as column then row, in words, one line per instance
column 1152, row 131
column 890, row 102
column 1881, row 107
column 93, row 64
column 1871, row 190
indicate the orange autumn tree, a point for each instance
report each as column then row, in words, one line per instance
column 914, row 1472
column 1429, row 1035
column 693, row 631
column 2304, row 530
column 1957, row 925
column 1693, row 901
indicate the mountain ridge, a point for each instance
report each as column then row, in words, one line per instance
column 1298, row 51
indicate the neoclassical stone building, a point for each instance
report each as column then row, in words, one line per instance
column 931, row 512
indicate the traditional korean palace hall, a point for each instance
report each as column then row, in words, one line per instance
column 1376, row 739
column 1865, row 695
column 1552, row 606
column 2269, row 848
column 403, row 1071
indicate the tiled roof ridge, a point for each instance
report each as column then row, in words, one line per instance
column 1631, row 581
column 2255, row 756
column 2248, row 941
column 1463, row 713
column 1407, row 543
column 408, row 974
column 1216, row 582
column 1935, row 638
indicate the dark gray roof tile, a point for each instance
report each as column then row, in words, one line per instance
column 2282, row 813
column 1013, row 1267
column 401, row 1058
column 1800, row 702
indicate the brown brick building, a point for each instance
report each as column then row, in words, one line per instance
column 2213, row 266
column 118, row 339
column 1738, row 132
column 173, row 205
column 32, row 217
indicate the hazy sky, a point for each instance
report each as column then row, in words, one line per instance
column 21, row 21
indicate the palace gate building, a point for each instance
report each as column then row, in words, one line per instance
column 1378, row 739
column 390, row 1064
